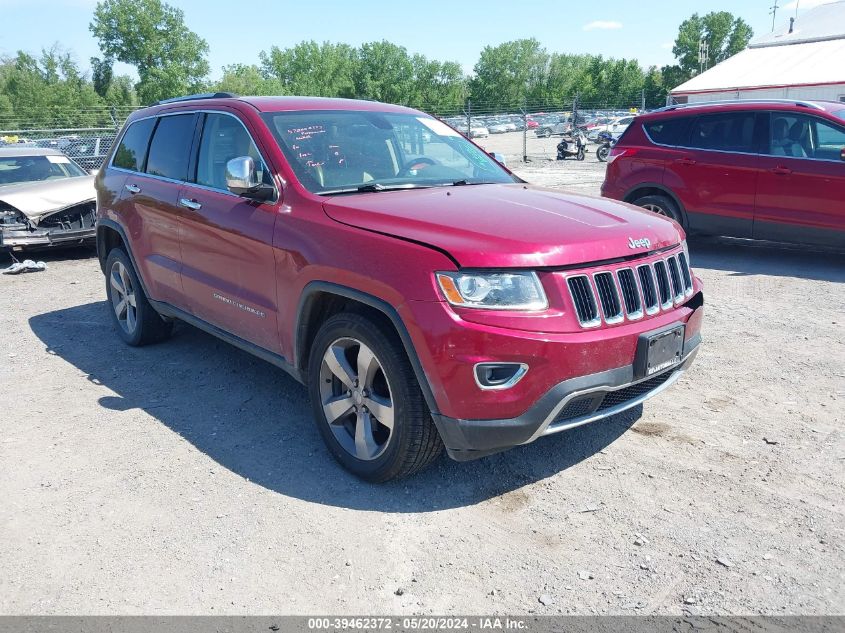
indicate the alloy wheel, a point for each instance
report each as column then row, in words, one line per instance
column 656, row 209
column 123, row 298
column 356, row 398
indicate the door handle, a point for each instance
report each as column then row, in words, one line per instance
column 190, row 204
column 133, row 188
column 685, row 161
column 781, row 171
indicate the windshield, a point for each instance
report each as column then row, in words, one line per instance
column 17, row 169
column 344, row 151
column 840, row 114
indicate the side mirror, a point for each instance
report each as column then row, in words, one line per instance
column 842, row 154
column 242, row 180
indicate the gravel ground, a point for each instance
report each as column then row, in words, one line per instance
column 188, row 478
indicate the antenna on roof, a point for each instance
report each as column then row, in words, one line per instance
column 773, row 10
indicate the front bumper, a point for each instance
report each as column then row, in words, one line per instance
column 15, row 240
column 570, row 403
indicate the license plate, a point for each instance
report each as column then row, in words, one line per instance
column 659, row 351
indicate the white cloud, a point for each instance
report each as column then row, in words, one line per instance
column 603, row 25
column 667, row 45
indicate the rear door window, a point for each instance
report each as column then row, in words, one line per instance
column 668, row 131
column 727, row 132
column 132, row 150
column 170, row 148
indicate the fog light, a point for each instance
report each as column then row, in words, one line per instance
column 499, row 375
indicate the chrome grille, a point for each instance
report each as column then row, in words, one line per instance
column 685, row 273
column 675, row 276
column 648, row 288
column 664, row 292
column 584, row 300
column 608, row 297
column 628, row 293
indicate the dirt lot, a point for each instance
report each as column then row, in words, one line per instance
column 188, row 477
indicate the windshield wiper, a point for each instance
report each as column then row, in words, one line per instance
column 461, row 183
column 372, row 187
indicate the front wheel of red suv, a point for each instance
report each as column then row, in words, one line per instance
column 366, row 400
column 661, row 205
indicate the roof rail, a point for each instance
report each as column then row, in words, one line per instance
column 202, row 95
column 803, row 104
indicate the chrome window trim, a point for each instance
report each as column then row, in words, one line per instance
column 584, row 324
column 617, row 318
column 637, row 314
column 188, row 182
column 519, row 375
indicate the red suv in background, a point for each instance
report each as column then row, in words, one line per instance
column 424, row 294
column 770, row 170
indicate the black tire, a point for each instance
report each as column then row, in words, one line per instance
column 662, row 205
column 147, row 326
column 413, row 443
column 545, row 133
column 602, row 153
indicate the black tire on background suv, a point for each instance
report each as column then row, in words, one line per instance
column 661, row 205
column 367, row 403
column 136, row 320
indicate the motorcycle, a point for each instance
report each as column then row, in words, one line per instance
column 575, row 146
column 605, row 140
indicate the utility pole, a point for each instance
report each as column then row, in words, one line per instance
column 703, row 51
column 469, row 118
column 773, row 10
column 642, row 100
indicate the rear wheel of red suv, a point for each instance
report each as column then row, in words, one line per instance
column 367, row 402
column 661, row 205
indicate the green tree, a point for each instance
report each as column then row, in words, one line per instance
column 152, row 36
column 101, row 75
column 383, row 72
column 438, row 87
column 246, row 79
column 309, row 68
column 725, row 35
column 510, row 73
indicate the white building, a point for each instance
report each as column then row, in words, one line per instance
column 803, row 60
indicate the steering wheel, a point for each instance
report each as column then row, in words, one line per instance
column 416, row 163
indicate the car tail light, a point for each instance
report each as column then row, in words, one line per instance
column 616, row 152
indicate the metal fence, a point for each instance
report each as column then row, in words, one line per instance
column 85, row 134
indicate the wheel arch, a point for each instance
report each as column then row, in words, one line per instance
column 656, row 189
column 321, row 299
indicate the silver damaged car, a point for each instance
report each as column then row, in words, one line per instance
column 45, row 200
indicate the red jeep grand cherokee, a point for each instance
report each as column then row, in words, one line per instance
column 767, row 170
column 424, row 294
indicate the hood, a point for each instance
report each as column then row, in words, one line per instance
column 509, row 226
column 37, row 199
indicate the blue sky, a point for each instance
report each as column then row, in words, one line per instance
column 455, row 30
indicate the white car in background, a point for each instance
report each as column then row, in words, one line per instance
column 615, row 127
column 478, row 131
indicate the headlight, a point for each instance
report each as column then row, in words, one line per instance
column 493, row 290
